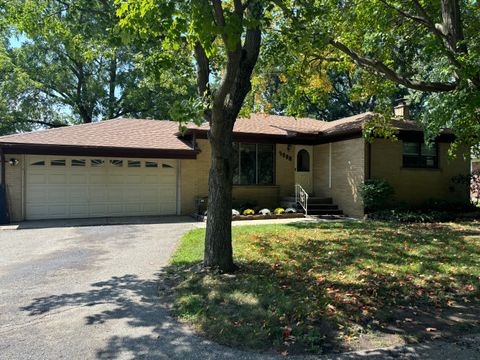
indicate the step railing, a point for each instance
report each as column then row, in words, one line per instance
column 301, row 197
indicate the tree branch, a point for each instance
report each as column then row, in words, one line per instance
column 203, row 69
column 390, row 74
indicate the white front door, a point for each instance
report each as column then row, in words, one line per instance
column 304, row 167
column 81, row 187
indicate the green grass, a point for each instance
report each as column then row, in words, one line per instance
column 313, row 287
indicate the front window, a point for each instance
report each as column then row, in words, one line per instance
column 419, row 155
column 253, row 164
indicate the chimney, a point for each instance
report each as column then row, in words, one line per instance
column 402, row 111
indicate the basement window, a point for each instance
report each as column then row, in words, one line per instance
column 58, row 163
column 420, row 155
column 253, row 164
column 167, row 166
column 134, row 164
column 78, row 162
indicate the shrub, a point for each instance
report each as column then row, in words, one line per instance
column 248, row 212
column 279, row 211
column 375, row 194
column 235, row 213
column 412, row 216
column 290, row 210
column 471, row 180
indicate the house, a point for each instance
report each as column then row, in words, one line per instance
column 126, row 167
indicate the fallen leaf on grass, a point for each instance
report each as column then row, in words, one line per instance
column 431, row 329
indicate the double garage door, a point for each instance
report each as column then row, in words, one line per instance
column 75, row 187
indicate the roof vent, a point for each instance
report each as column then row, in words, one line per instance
column 402, row 111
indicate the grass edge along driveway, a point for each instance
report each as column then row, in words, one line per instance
column 332, row 286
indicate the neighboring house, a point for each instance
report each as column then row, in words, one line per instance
column 126, row 167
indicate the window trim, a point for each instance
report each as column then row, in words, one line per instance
column 420, row 156
column 274, row 164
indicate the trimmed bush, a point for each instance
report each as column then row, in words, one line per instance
column 376, row 194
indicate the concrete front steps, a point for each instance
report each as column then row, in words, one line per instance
column 316, row 206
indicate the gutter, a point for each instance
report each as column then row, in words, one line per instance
column 42, row 149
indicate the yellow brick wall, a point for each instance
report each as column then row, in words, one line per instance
column 194, row 177
column 14, row 180
column 347, row 173
column 415, row 186
column 194, row 180
column 284, row 170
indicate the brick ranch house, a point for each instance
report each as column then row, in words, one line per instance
column 127, row 167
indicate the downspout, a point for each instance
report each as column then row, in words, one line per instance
column 2, row 159
column 4, row 215
column 330, row 165
column 369, row 160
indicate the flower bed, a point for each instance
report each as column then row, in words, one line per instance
column 265, row 217
column 256, row 217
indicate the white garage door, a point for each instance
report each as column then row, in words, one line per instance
column 75, row 187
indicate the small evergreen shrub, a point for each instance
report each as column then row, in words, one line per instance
column 376, row 194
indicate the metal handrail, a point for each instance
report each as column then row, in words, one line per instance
column 301, row 197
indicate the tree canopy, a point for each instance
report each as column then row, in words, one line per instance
column 429, row 48
column 67, row 63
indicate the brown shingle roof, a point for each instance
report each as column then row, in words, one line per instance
column 271, row 125
column 285, row 125
column 160, row 135
column 117, row 133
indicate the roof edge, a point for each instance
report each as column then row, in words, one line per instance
column 47, row 149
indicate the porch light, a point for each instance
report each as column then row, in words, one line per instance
column 13, row 162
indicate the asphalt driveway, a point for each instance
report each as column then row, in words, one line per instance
column 91, row 292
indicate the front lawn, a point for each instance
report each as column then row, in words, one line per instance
column 333, row 286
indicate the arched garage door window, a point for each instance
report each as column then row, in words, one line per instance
column 303, row 161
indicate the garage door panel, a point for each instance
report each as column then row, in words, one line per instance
column 79, row 211
column 116, row 179
column 37, row 179
column 133, row 179
column 57, row 179
column 98, row 179
column 151, row 208
column 98, row 210
column 96, row 191
column 37, row 194
column 78, row 179
column 97, row 194
column 115, row 194
column 58, row 211
column 57, row 195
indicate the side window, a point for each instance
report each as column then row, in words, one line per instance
column 419, row 155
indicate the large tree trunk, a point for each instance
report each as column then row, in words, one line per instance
column 218, row 241
column 227, row 102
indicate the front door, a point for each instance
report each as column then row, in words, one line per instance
column 304, row 167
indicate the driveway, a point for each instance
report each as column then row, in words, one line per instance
column 91, row 292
